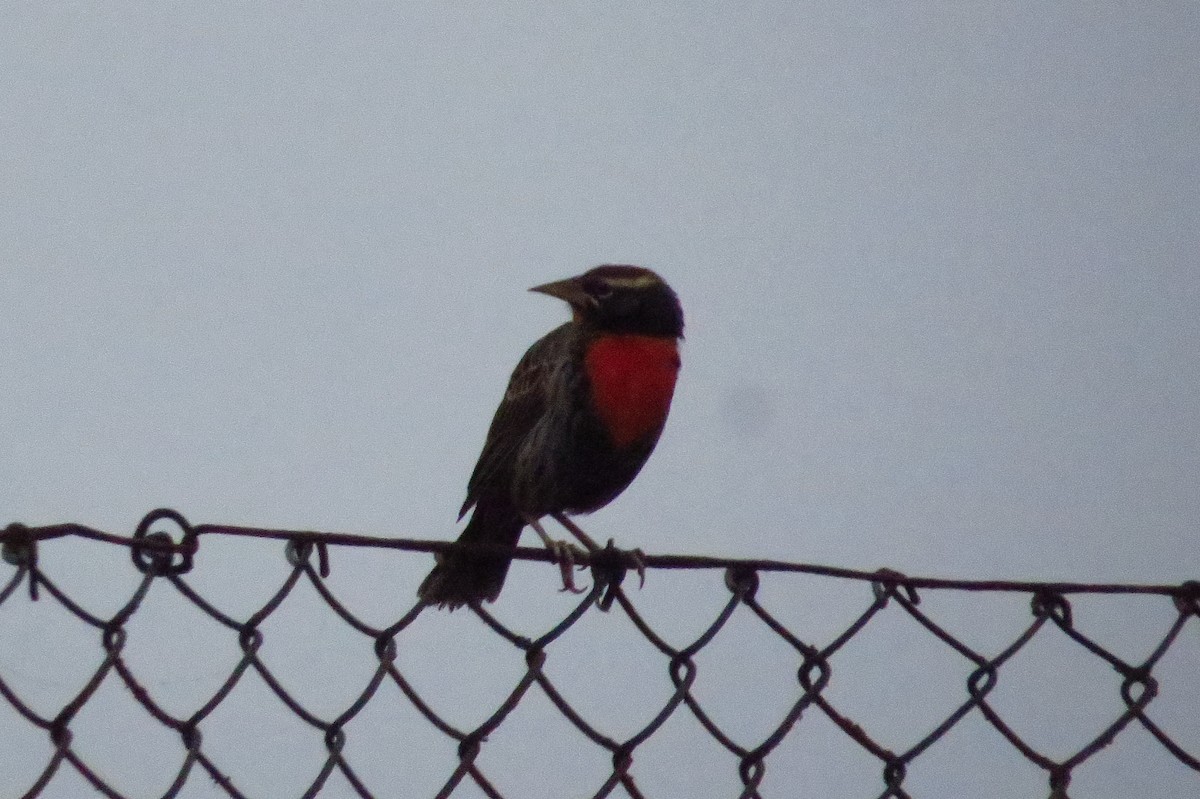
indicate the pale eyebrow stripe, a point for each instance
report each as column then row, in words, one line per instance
column 639, row 281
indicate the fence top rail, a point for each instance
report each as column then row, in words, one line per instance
column 16, row 534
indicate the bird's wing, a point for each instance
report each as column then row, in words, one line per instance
column 523, row 405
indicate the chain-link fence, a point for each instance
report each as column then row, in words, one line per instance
column 41, row 752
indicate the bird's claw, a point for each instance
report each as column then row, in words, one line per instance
column 631, row 558
column 638, row 559
column 565, row 554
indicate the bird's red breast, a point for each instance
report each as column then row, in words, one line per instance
column 632, row 379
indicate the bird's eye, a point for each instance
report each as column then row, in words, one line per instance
column 598, row 289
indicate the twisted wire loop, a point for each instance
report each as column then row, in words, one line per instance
column 167, row 557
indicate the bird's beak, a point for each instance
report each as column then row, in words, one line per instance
column 569, row 291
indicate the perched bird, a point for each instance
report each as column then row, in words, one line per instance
column 582, row 413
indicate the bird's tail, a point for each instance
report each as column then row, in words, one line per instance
column 462, row 577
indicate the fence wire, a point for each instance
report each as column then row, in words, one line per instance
column 164, row 546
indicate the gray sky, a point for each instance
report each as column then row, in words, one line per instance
column 938, row 263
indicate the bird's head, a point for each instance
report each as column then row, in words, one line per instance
column 620, row 299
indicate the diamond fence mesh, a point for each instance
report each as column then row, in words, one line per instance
column 384, row 696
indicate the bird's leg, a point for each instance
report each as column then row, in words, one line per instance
column 564, row 555
column 636, row 556
column 572, row 528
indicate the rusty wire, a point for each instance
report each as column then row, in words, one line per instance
column 159, row 555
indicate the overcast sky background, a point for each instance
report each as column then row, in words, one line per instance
column 939, row 265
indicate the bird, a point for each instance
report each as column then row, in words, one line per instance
column 582, row 412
